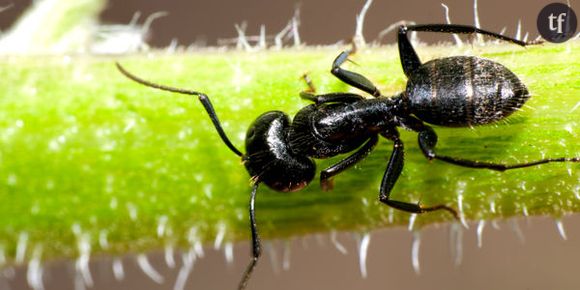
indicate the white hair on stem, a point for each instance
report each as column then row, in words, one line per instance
column 456, row 243
column 415, row 247
column 219, row 237
column 501, row 32
column 363, row 247
column 278, row 42
column 575, row 106
column 148, row 269
column 414, row 40
column 273, row 255
column 478, row 36
column 229, row 252
column 519, row 30
column 456, row 37
column 460, row 190
column 479, row 231
column 173, row 46
column 103, row 241
column 121, row 39
column 169, row 256
column 21, row 246
column 412, row 219
column 2, row 255
column 118, row 270
column 242, row 41
column 286, row 256
column 4, row 8
column 295, row 25
column 561, row 229
column 34, row 272
column 337, row 244
column 262, row 40
column 517, row 230
column 359, row 39
column 188, row 259
column 83, row 272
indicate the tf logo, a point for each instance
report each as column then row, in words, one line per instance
column 557, row 22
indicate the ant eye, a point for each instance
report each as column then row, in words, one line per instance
column 250, row 134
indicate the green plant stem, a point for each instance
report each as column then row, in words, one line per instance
column 87, row 156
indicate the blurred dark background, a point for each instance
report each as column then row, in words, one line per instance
column 322, row 21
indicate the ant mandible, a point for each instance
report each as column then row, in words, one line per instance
column 457, row 91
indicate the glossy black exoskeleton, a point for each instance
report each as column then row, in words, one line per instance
column 457, row 91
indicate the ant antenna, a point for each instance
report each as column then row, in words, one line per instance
column 256, row 245
column 203, row 98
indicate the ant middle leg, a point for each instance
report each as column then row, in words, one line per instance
column 327, row 174
column 310, row 94
column 351, row 78
column 331, row 98
column 394, row 169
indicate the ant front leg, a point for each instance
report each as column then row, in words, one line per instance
column 311, row 88
column 326, row 174
column 394, row 169
column 354, row 79
column 428, row 141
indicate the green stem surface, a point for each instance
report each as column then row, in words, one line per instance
column 88, row 157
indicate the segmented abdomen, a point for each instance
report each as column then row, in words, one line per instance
column 464, row 91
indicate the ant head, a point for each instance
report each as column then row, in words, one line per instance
column 287, row 176
column 269, row 159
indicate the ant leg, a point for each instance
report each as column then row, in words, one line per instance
column 309, row 83
column 203, row 98
column 256, row 246
column 354, row 79
column 331, row 98
column 409, row 59
column 310, row 94
column 326, row 174
column 466, row 29
column 394, row 169
column 428, row 140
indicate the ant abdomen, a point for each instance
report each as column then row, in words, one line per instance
column 464, row 91
column 269, row 159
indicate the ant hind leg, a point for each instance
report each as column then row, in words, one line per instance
column 428, row 141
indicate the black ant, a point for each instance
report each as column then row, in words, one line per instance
column 458, row 91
